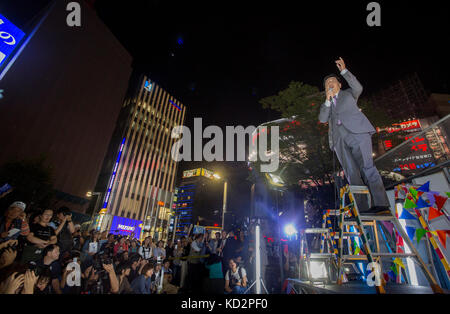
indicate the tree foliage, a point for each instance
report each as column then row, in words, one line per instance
column 31, row 181
column 305, row 155
column 304, row 149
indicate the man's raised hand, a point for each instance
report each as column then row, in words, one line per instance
column 340, row 64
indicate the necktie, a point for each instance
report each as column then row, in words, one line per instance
column 334, row 104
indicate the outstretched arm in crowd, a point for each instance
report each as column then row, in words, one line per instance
column 61, row 225
column 30, row 280
column 143, row 263
column 112, row 278
column 12, row 283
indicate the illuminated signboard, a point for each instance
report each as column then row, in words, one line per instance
column 208, row 173
column 412, row 126
column 198, row 172
column 10, row 38
column 192, row 173
column 126, row 226
column 148, row 86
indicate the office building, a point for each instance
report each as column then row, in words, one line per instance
column 62, row 97
column 198, row 200
column 137, row 178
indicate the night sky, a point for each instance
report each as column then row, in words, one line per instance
column 220, row 57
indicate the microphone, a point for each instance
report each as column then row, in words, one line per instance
column 330, row 90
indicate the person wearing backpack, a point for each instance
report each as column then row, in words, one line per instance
column 146, row 250
column 235, row 279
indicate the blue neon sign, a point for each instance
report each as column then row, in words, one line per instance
column 10, row 38
column 148, row 86
column 111, row 181
column 175, row 105
column 126, row 227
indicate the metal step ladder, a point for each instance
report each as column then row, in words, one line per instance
column 360, row 221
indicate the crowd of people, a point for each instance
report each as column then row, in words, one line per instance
column 46, row 253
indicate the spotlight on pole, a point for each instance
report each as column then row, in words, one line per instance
column 275, row 180
column 290, row 230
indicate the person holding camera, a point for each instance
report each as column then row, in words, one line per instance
column 123, row 271
column 100, row 277
column 19, row 280
column 64, row 228
column 235, row 279
column 11, row 223
column 143, row 283
column 137, row 263
column 41, row 235
column 8, row 253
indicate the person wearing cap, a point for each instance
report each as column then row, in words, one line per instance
column 349, row 134
column 11, row 223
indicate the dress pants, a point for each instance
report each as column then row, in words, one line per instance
column 354, row 152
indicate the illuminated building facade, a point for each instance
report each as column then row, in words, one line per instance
column 422, row 152
column 405, row 98
column 60, row 102
column 198, row 200
column 138, row 173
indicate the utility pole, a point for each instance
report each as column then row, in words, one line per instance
column 224, row 209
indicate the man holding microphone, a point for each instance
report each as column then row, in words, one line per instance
column 349, row 135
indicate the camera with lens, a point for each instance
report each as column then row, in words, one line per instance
column 99, row 260
column 9, row 246
column 34, row 267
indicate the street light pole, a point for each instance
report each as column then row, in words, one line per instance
column 224, row 209
column 99, row 195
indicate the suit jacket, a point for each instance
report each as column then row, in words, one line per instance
column 346, row 110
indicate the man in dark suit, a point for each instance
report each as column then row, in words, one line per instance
column 349, row 135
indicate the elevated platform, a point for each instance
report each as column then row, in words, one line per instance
column 357, row 287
